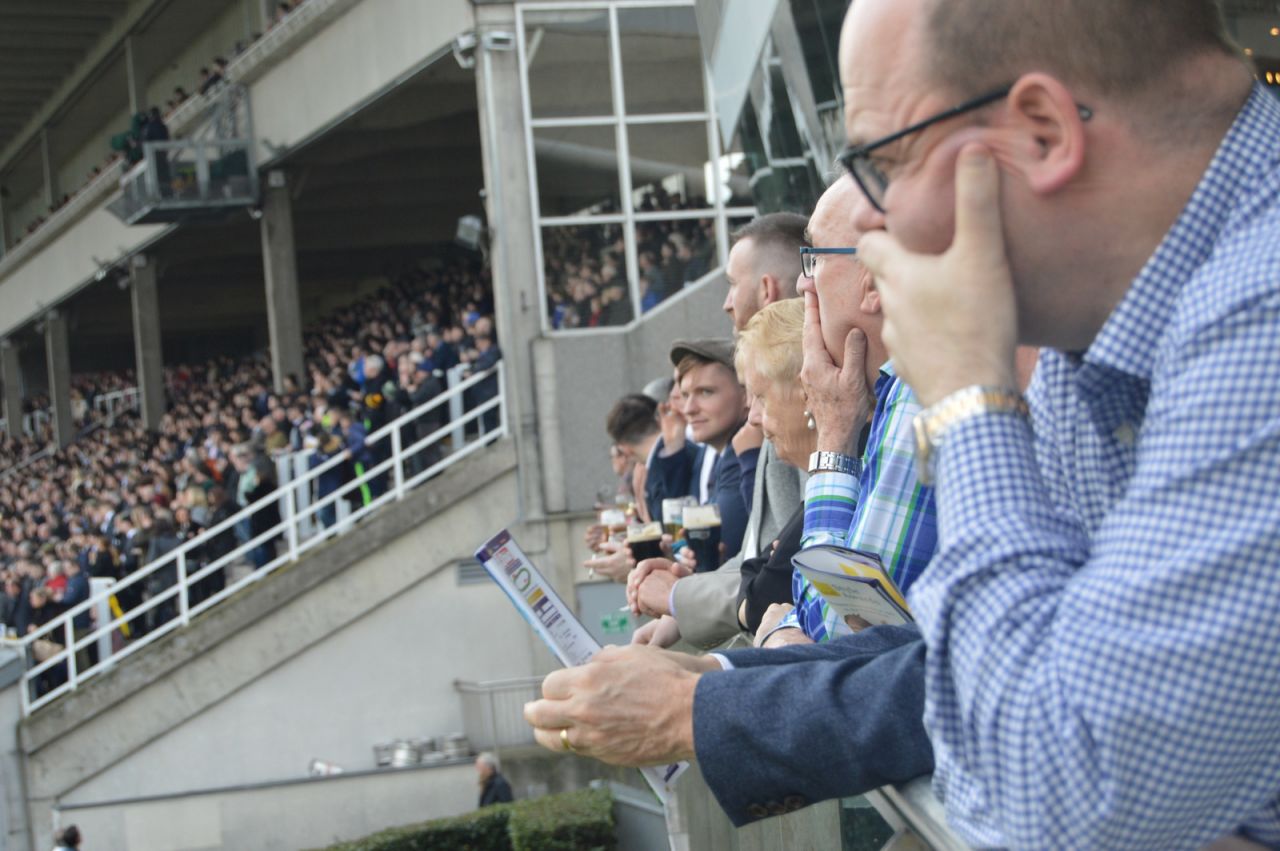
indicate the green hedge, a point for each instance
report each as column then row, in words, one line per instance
column 566, row 822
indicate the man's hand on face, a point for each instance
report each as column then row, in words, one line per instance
column 837, row 398
column 627, row 706
column 951, row 319
column 672, row 424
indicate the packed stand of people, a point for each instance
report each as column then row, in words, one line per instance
column 150, row 125
column 586, row 265
column 120, row 497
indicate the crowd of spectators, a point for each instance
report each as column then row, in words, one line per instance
column 586, row 265
column 119, row 496
column 150, row 126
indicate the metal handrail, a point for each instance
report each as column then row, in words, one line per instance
column 289, row 526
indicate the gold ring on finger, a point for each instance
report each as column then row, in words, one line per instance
column 564, row 740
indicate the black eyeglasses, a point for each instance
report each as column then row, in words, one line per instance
column 809, row 258
column 874, row 182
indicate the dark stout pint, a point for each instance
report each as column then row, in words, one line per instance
column 645, row 541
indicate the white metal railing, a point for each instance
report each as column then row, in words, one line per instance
column 182, row 567
column 111, row 404
column 492, row 711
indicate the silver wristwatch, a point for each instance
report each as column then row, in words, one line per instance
column 834, row 462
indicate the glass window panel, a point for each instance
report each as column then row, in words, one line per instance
column 577, row 170
column 661, row 61
column 779, row 166
column 672, row 254
column 586, row 276
column 567, row 54
column 818, row 24
column 734, row 174
column 669, row 166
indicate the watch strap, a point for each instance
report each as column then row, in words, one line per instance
column 932, row 424
column 834, row 462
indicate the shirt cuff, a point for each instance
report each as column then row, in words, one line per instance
column 725, row 664
column 671, row 599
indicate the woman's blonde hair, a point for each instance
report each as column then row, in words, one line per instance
column 773, row 343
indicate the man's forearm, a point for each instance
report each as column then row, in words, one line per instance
column 794, row 734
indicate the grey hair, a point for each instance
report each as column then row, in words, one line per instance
column 490, row 759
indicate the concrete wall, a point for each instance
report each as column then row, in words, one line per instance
column 592, row 369
column 388, row 675
column 218, row 39
column 361, row 53
column 73, row 170
column 357, row 644
column 13, row 819
column 280, row 817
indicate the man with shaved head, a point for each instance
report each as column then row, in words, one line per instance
column 763, row 265
column 1101, row 178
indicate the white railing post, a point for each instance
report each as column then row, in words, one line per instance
column 397, row 461
column 98, row 586
column 70, row 632
column 25, row 685
column 455, row 407
column 290, row 521
column 184, row 599
column 502, row 396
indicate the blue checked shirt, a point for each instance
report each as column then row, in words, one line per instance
column 1103, row 614
column 885, row 510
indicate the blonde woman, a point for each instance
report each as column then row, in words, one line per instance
column 768, row 360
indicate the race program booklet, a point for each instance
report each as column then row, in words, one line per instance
column 853, row 583
column 557, row 625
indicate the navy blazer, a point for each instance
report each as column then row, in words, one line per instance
column 726, row 492
column 672, row 476
column 792, row 726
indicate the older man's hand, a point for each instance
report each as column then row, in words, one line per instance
column 951, row 320
column 666, row 573
column 627, row 706
column 837, row 397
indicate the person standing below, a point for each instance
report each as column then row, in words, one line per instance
column 494, row 788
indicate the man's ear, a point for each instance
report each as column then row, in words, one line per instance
column 870, row 303
column 1049, row 130
column 770, row 290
